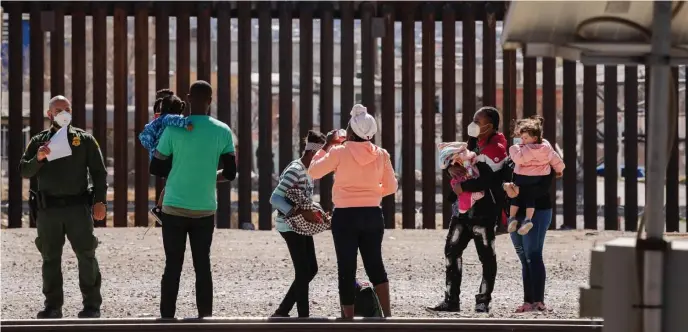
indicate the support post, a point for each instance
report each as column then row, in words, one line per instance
column 657, row 161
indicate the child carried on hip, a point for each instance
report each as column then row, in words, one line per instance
column 460, row 164
column 167, row 112
column 534, row 158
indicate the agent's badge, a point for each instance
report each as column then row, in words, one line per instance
column 76, row 141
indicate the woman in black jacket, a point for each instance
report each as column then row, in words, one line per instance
column 529, row 247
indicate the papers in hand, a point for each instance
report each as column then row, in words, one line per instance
column 59, row 145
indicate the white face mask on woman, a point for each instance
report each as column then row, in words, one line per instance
column 63, row 118
column 473, row 130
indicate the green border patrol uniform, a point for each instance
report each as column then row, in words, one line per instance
column 63, row 206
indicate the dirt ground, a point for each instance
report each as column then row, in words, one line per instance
column 252, row 271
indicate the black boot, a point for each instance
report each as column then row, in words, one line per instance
column 482, row 308
column 445, row 306
column 89, row 313
column 50, row 313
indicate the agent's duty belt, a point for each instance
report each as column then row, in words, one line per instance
column 44, row 201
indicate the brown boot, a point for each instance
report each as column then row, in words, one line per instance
column 382, row 292
column 347, row 311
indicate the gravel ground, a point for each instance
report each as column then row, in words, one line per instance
column 252, row 271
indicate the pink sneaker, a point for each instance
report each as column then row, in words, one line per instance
column 525, row 307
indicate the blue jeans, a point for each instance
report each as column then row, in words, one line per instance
column 529, row 250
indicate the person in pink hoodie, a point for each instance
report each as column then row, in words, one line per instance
column 363, row 175
column 534, row 158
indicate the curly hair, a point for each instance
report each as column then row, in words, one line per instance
column 159, row 96
column 315, row 137
column 172, row 105
column 532, row 126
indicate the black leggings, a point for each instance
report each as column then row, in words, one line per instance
column 302, row 251
column 355, row 229
column 527, row 194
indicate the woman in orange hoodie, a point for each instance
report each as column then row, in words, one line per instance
column 363, row 174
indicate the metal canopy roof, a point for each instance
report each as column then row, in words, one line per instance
column 593, row 32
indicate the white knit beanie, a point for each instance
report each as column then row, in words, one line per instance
column 362, row 123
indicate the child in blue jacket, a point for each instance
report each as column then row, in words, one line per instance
column 168, row 109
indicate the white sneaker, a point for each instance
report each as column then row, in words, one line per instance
column 513, row 225
column 525, row 228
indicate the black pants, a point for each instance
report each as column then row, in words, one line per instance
column 302, row 251
column 526, row 191
column 355, row 229
column 460, row 234
column 174, row 231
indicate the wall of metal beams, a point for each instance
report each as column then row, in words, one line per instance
column 377, row 40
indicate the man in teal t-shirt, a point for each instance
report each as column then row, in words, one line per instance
column 189, row 160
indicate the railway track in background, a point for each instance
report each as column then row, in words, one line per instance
column 308, row 325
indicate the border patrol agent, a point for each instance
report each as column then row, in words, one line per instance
column 66, row 205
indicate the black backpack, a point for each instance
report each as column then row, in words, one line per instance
column 366, row 303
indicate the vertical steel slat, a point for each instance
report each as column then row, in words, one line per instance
column 162, row 67
column 327, row 90
column 489, row 57
column 468, row 81
column 15, row 82
column 428, row 116
column 529, row 87
column 346, row 9
column 37, row 80
column 100, row 88
column 244, row 115
column 672, row 168
column 630, row 136
column 570, row 129
column 79, row 65
column 549, row 112
column 224, row 102
column 448, row 97
column 387, row 101
column 305, row 70
column 590, row 146
column 142, row 177
column 183, row 51
column 647, row 111
column 408, row 135
column 120, row 116
column 57, row 52
column 509, row 112
column 367, row 57
column 611, row 176
column 647, row 103
column 203, row 42
column 685, row 142
column 264, row 116
column 286, row 146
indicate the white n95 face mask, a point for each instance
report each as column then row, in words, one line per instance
column 63, row 119
column 473, row 130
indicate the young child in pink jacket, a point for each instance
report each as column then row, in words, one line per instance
column 534, row 158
